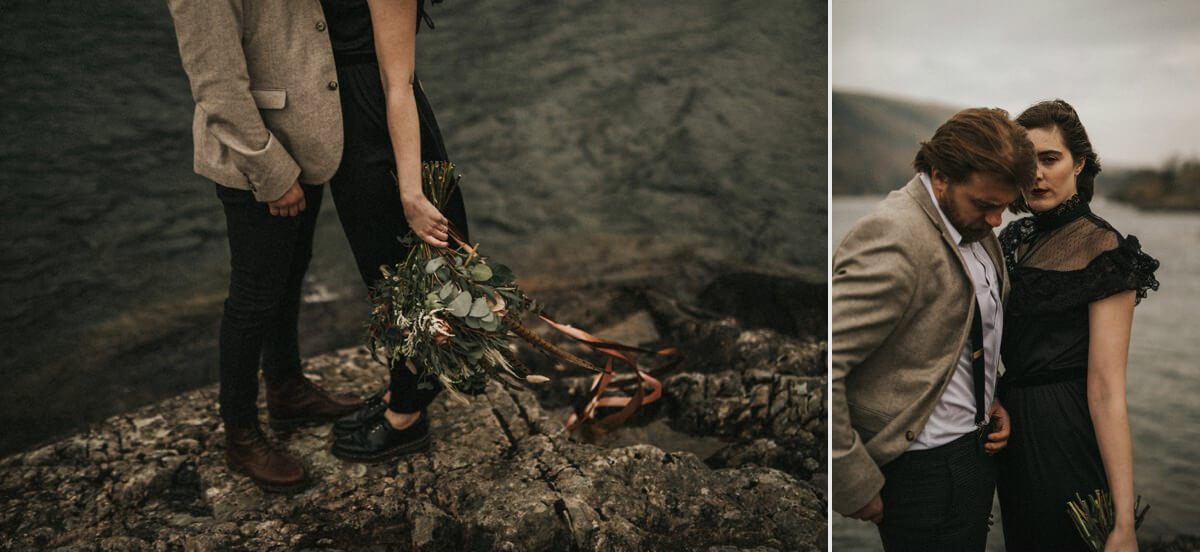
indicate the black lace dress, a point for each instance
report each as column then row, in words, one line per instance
column 1058, row 262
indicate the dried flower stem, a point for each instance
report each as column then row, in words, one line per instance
column 537, row 341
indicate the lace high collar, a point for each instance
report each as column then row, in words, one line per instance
column 1067, row 211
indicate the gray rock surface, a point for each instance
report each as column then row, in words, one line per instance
column 502, row 473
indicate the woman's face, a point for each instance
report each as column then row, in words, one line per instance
column 1056, row 170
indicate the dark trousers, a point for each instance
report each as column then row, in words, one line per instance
column 372, row 216
column 268, row 256
column 368, row 199
column 938, row 499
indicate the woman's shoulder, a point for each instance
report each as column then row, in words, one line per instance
column 1016, row 227
column 1119, row 258
column 1011, row 237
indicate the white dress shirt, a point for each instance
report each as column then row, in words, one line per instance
column 954, row 415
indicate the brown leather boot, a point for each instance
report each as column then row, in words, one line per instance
column 248, row 451
column 298, row 401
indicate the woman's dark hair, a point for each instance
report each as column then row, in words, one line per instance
column 979, row 140
column 1060, row 114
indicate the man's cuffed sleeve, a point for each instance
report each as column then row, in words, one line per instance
column 873, row 283
column 210, row 47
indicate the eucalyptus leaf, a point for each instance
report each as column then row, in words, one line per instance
column 472, row 322
column 447, row 290
column 489, row 325
column 479, row 308
column 434, row 264
column 460, row 305
column 481, row 273
column 487, row 317
column 444, row 273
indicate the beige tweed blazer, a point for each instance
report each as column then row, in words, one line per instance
column 902, row 307
column 263, row 78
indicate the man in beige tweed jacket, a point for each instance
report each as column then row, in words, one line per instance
column 906, row 281
column 268, row 132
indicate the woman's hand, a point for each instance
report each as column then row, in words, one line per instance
column 1121, row 540
column 429, row 224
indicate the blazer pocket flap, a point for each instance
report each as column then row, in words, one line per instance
column 274, row 98
column 869, row 419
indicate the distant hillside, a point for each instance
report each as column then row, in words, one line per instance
column 875, row 139
column 1175, row 186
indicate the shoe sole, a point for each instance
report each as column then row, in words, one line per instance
column 407, row 448
column 291, row 488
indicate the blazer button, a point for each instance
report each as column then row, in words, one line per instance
column 909, row 435
column 333, row 85
column 320, row 26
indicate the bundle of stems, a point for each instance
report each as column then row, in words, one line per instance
column 449, row 313
column 1094, row 517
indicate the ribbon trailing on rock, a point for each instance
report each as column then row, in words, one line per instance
column 447, row 314
column 586, row 412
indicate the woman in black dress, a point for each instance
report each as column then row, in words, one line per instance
column 388, row 128
column 1075, row 281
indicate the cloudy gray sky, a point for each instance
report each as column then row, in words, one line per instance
column 1131, row 69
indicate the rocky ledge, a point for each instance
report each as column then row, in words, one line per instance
column 502, row 473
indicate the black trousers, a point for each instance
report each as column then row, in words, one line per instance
column 938, row 499
column 368, row 199
column 268, row 256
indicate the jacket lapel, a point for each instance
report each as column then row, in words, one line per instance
column 916, row 190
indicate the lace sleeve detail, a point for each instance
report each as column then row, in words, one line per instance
column 1125, row 268
column 1013, row 235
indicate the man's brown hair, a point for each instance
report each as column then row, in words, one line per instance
column 982, row 140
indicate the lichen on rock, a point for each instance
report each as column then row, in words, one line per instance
column 502, row 473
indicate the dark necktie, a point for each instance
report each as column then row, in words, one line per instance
column 977, row 362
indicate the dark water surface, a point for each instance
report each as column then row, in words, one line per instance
column 590, row 134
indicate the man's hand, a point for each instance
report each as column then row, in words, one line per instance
column 998, row 439
column 291, row 204
column 872, row 512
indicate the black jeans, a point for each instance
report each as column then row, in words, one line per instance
column 368, row 199
column 268, row 256
column 938, row 499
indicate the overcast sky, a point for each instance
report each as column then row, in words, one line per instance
column 1131, row 69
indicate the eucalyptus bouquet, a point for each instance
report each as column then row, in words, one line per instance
column 1094, row 517
column 451, row 312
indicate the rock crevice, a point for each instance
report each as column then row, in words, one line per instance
column 502, row 473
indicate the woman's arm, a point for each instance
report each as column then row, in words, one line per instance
column 1109, row 324
column 395, row 23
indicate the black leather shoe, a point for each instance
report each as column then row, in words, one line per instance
column 372, row 408
column 378, row 440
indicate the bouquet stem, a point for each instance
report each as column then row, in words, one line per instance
column 537, row 341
